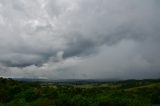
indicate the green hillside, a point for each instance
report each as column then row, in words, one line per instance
column 121, row 93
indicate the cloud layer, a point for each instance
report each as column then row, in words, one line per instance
column 58, row 39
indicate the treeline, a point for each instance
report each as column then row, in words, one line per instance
column 125, row 93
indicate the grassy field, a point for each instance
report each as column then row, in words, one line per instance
column 120, row 93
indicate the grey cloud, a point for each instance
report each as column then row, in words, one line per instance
column 61, row 38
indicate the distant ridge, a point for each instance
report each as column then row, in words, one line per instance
column 76, row 81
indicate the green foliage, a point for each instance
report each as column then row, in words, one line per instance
column 124, row 93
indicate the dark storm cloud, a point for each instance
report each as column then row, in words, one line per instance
column 80, row 38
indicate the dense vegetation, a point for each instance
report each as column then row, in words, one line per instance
column 122, row 93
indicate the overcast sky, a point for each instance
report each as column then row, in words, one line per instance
column 74, row 39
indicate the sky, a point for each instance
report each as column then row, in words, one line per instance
column 80, row 39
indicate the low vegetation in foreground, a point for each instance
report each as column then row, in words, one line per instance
column 121, row 93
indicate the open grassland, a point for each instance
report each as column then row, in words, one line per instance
column 121, row 93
